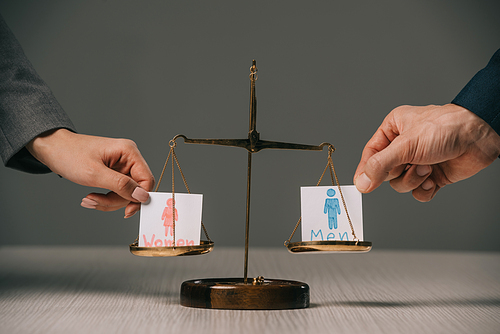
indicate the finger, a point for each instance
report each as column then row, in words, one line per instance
column 397, row 172
column 426, row 191
column 141, row 173
column 363, row 182
column 131, row 209
column 377, row 143
column 411, row 179
column 432, row 185
column 110, row 202
column 138, row 169
column 384, row 165
column 121, row 184
column 104, row 202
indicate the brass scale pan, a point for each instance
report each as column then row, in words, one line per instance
column 329, row 246
column 203, row 248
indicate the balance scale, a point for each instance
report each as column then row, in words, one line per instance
column 242, row 293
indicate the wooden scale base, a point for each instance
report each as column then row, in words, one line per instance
column 243, row 293
column 234, row 294
column 231, row 293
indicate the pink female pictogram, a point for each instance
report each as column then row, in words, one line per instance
column 167, row 217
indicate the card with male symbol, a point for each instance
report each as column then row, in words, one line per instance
column 156, row 227
column 324, row 216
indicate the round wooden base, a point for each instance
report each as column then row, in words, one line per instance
column 233, row 294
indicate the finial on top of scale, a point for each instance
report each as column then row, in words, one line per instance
column 253, row 70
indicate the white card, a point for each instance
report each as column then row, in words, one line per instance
column 156, row 226
column 324, row 217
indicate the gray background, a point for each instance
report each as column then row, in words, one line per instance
column 328, row 71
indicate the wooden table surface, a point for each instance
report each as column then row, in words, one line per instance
column 108, row 290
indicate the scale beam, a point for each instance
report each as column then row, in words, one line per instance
column 253, row 146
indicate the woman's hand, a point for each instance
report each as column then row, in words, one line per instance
column 113, row 164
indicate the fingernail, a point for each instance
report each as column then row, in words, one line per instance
column 89, row 203
column 363, row 182
column 140, row 194
column 423, row 170
column 428, row 184
column 128, row 215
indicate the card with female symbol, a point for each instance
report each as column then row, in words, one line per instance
column 324, row 216
column 156, row 228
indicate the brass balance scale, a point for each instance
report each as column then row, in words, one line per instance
column 243, row 293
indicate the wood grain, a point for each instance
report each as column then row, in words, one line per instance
column 235, row 294
column 108, row 290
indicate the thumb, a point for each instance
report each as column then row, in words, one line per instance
column 121, row 184
column 384, row 165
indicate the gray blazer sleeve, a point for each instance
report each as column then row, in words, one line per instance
column 27, row 106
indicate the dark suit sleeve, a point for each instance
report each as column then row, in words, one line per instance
column 482, row 94
column 27, row 106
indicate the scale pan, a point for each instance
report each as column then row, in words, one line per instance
column 329, row 246
column 203, row 248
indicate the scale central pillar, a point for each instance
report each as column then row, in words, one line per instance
column 242, row 293
column 253, row 138
column 247, row 225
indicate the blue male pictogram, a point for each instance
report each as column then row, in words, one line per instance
column 332, row 207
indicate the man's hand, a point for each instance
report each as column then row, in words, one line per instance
column 422, row 149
